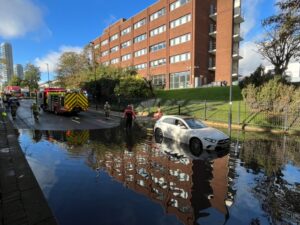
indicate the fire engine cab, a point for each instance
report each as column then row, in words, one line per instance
column 59, row 100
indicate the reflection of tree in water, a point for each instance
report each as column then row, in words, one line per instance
column 269, row 157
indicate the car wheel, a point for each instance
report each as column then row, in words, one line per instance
column 196, row 146
column 158, row 135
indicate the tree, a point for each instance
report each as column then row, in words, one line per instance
column 15, row 81
column 32, row 77
column 132, row 86
column 72, row 69
column 282, row 38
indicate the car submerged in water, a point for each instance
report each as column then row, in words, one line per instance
column 192, row 132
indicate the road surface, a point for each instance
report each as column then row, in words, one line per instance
column 48, row 121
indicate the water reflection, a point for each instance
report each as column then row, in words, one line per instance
column 256, row 182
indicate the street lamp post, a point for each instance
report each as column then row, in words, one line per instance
column 48, row 74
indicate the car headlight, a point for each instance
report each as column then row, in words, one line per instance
column 210, row 140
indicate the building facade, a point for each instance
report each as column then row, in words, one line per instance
column 19, row 71
column 6, row 56
column 177, row 43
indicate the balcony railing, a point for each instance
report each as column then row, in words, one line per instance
column 213, row 13
column 238, row 17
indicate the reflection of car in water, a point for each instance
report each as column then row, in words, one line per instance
column 182, row 151
column 192, row 132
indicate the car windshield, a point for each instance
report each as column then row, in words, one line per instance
column 194, row 124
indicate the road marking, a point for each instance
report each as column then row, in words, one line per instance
column 75, row 121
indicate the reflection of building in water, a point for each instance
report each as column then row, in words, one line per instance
column 182, row 186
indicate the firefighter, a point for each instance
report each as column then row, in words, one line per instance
column 129, row 116
column 13, row 109
column 107, row 109
column 35, row 111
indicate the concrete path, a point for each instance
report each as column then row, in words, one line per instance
column 21, row 199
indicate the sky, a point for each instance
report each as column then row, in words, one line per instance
column 41, row 30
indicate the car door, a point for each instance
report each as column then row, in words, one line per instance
column 180, row 131
column 167, row 127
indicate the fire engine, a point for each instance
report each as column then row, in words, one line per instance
column 59, row 100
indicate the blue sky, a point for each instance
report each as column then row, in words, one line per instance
column 41, row 30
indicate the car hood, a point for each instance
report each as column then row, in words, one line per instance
column 209, row 132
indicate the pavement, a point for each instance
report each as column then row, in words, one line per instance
column 21, row 199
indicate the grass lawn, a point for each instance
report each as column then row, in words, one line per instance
column 209, row 94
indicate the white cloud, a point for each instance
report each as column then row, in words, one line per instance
column 18, row 17
column 250, row 15
column 52, row 58
column 251, row 58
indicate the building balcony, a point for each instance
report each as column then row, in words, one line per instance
column 237, row 38
column 236, row 55
column 213, row 33
column 212, row 67
column 212, row 51
column 213, row 16
column 238, row 17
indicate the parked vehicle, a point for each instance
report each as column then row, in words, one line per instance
column 59, row 101
column 190, row 131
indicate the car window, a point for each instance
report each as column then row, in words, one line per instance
column 195, row 124
column 169, row 121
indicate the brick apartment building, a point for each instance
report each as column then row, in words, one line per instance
column 176, row 43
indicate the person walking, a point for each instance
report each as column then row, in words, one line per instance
column 107, row 110
column 13, row 109
column 35, row 111
column 129, row 116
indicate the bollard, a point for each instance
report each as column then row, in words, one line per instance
column 205, row 110
column 179, row 109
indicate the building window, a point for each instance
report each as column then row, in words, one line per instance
column 104, row 53
column 140, row 38
column 105, row 42
column 180, row 39
column 114, row 61
column 140, row 23
column 159, row 80
column 126, row 44
column 158, row 14
column 180, row 80
column 158, row 62
column 180, row 58
column 126, row 31
column 157, row 47
column 114, row 49
column 105, row 63
column 126, row 57
column 141, row 66
column 180, row 21
column 158, row 30
column 97, row 46
column 177, row 4
column 114, row 37
column 140, row 52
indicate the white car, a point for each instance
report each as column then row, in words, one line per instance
column 192, row 132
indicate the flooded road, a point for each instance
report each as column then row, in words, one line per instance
column 115, row 177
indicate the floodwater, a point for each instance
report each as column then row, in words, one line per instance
column 113, row 177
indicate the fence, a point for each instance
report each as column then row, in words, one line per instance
column 219, row 112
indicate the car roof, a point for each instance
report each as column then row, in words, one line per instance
column 178, row 117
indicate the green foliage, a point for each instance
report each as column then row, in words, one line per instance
column 209, row 94
column 32, row 77
column 15, row 81
column 273, row 96
column 133, row 86
column 72, row 69
column 257, row 78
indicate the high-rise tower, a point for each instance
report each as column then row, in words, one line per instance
column 6, row 62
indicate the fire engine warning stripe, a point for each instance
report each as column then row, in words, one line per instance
column 73, row 100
